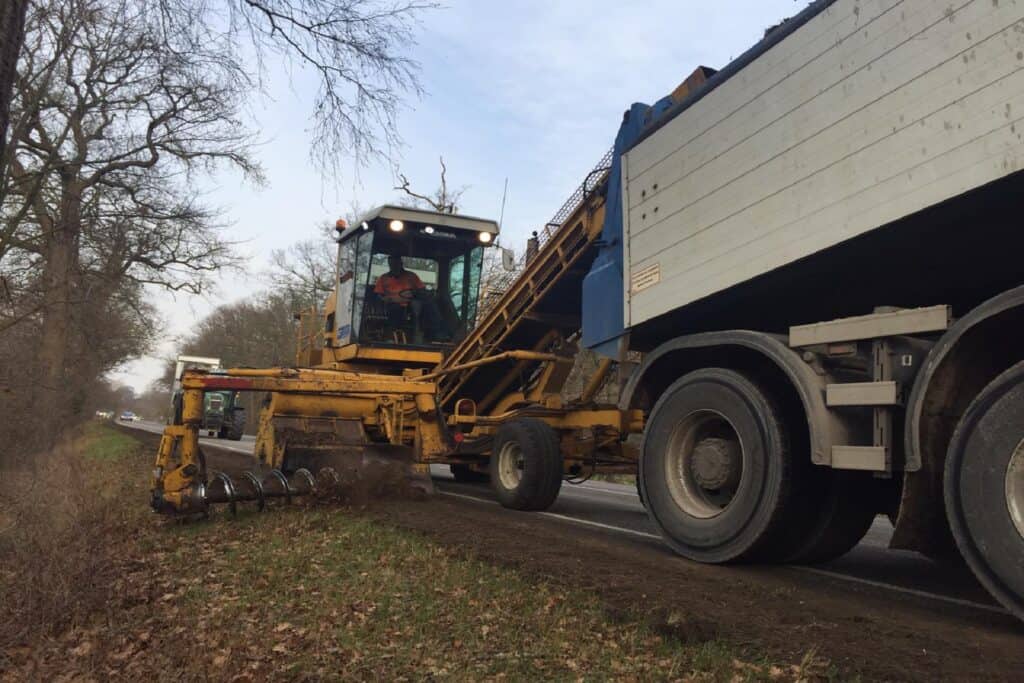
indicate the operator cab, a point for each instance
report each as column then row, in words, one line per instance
column 408, row 278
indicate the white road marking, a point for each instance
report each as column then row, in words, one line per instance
column 808, row 570
column 901, row 589
column 574, row 520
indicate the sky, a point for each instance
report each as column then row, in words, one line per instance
column 528, row 90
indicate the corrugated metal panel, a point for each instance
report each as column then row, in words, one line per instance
column 873, row 110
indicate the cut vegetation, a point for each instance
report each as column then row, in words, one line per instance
column 325, row 593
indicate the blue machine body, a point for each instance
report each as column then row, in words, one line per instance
column 603, row 288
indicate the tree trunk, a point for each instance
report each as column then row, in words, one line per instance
column 59, row 278
column 12, row 35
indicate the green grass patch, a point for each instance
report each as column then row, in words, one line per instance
column 100, row 441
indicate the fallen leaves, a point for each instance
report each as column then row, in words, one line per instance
column 328, row 594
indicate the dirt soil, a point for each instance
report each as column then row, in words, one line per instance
column 873, row 633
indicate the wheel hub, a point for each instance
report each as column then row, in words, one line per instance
column 510, row 465
column 715, row 463
column 1015, row 488
column 704, row 463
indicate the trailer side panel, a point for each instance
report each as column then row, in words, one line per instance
column 872, row 111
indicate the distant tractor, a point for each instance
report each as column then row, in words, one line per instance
column 223, row 414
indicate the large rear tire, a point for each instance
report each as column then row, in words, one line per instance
column 984, row 488
column 526, row 465
column 716, row 471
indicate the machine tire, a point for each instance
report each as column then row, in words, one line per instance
column 533, row 483
column 847, row 509
column 711, row 416
column 984, row 488
column 464, row 474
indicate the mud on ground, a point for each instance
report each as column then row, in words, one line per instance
column 866, row 632
column 876, row 634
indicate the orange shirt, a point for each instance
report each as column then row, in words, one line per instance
column 389, row 285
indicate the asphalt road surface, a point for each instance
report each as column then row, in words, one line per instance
column 615, row 509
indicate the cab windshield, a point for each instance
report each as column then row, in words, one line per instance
column 409, row 289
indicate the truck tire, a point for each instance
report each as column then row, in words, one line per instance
column 526, row 465
column 464, row 474
column 984, row 488
column 847, row 509
column 716, row 468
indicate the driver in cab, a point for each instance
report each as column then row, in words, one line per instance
column 400, row 288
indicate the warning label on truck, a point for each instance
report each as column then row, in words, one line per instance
column 644, row 278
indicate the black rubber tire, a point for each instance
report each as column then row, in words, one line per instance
column 846, row 510
column 640, row 492
column 990, row 431
column 541, row 478
column 754, row 525
column 464, row 474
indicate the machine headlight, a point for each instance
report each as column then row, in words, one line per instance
column 365, row 225
column 396, row 226
column 485, row 237
column 429, row 230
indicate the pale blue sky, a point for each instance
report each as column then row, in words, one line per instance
column 525, row 89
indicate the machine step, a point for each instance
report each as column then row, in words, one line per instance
column 870, row 458
column 863, row 394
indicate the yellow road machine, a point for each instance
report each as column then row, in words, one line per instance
column 406, row 369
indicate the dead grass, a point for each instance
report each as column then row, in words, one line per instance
column 57, row 562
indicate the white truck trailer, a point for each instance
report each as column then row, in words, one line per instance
column 818, row 251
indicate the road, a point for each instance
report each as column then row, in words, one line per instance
column 615, row 510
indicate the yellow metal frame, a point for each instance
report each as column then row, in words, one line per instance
column 404, row 409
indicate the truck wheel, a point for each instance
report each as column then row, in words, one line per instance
column 846, row 511
column 716, row 468
column 465, row 474
column 526, row 465
column 984, row 488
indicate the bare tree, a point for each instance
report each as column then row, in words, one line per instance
column 108, row 130
column 304, row 273
column 12, row 35
column 358, row 48
column 443, row 200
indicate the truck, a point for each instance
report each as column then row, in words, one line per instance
column 801, row 273
column 815, row 251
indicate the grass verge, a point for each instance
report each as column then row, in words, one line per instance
column 328, row 594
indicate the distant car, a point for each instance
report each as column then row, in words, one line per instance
column 128, row 416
